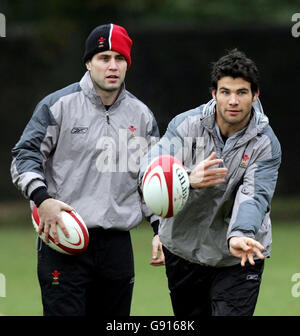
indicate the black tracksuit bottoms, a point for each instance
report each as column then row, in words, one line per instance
column 198, row 290
column 97, row 282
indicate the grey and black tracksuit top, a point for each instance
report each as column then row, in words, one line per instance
column 238, row 207
column 78, row 150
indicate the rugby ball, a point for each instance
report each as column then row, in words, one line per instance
column 79, row 235
column 165, row 186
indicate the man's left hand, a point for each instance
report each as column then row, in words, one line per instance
column 245, row 248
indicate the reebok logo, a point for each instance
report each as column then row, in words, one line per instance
column 79, row 130
column 252, row 277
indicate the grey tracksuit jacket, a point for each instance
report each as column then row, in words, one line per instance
column 80, row 152
column 238, row 207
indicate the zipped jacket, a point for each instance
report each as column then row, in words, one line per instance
column 240, row 206
column 85, row 155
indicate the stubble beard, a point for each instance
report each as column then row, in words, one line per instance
column 235, row 122
column 105, row 88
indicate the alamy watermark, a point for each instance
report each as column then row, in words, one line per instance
column 296, row 27
column 2, row 285
column 2, row 25
column 120, row 154
column 296, row 287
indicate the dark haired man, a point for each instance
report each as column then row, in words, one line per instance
column 64, row 156
column 214, row 249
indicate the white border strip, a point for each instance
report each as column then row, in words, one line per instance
column 110, row 33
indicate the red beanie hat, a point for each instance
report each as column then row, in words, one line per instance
column 108, row 37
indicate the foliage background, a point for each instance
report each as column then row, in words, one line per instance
column 175, row 42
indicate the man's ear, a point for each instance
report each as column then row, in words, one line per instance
column 255, row 96
column 213, row 93
column 88, row 65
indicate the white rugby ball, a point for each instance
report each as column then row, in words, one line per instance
column 165, row 186
column 79, row 236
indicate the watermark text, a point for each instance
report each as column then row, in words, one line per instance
column 2, row 285
column 296, row 287
column 296, row 27
column 118, row 154
column 2, row 25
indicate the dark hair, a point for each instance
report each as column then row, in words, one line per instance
column 235, row 64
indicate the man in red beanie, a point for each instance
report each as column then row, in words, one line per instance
column 107, row 57
column 75, row 153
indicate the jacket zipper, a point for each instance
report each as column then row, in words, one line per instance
column 107, row 117
column 218, row 150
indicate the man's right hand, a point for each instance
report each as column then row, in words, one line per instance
column 49, row 214
column 203, row 176
column 158, row 257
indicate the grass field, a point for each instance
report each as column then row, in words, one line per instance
column 151, row 297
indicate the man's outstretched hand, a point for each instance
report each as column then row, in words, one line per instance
column 245, row 248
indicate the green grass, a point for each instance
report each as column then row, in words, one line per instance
column 275, row 295
column 18, row 264
column 151, row 293
column 151, row 297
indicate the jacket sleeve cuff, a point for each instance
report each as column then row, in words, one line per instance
column 155, row 226
column 154, row 221
column 39, row 195
column 239, row 233
column 35, row 184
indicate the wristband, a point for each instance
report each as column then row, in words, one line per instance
column 155, row 225
column 39, row 195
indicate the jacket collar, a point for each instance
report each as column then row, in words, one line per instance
column 89, row 90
